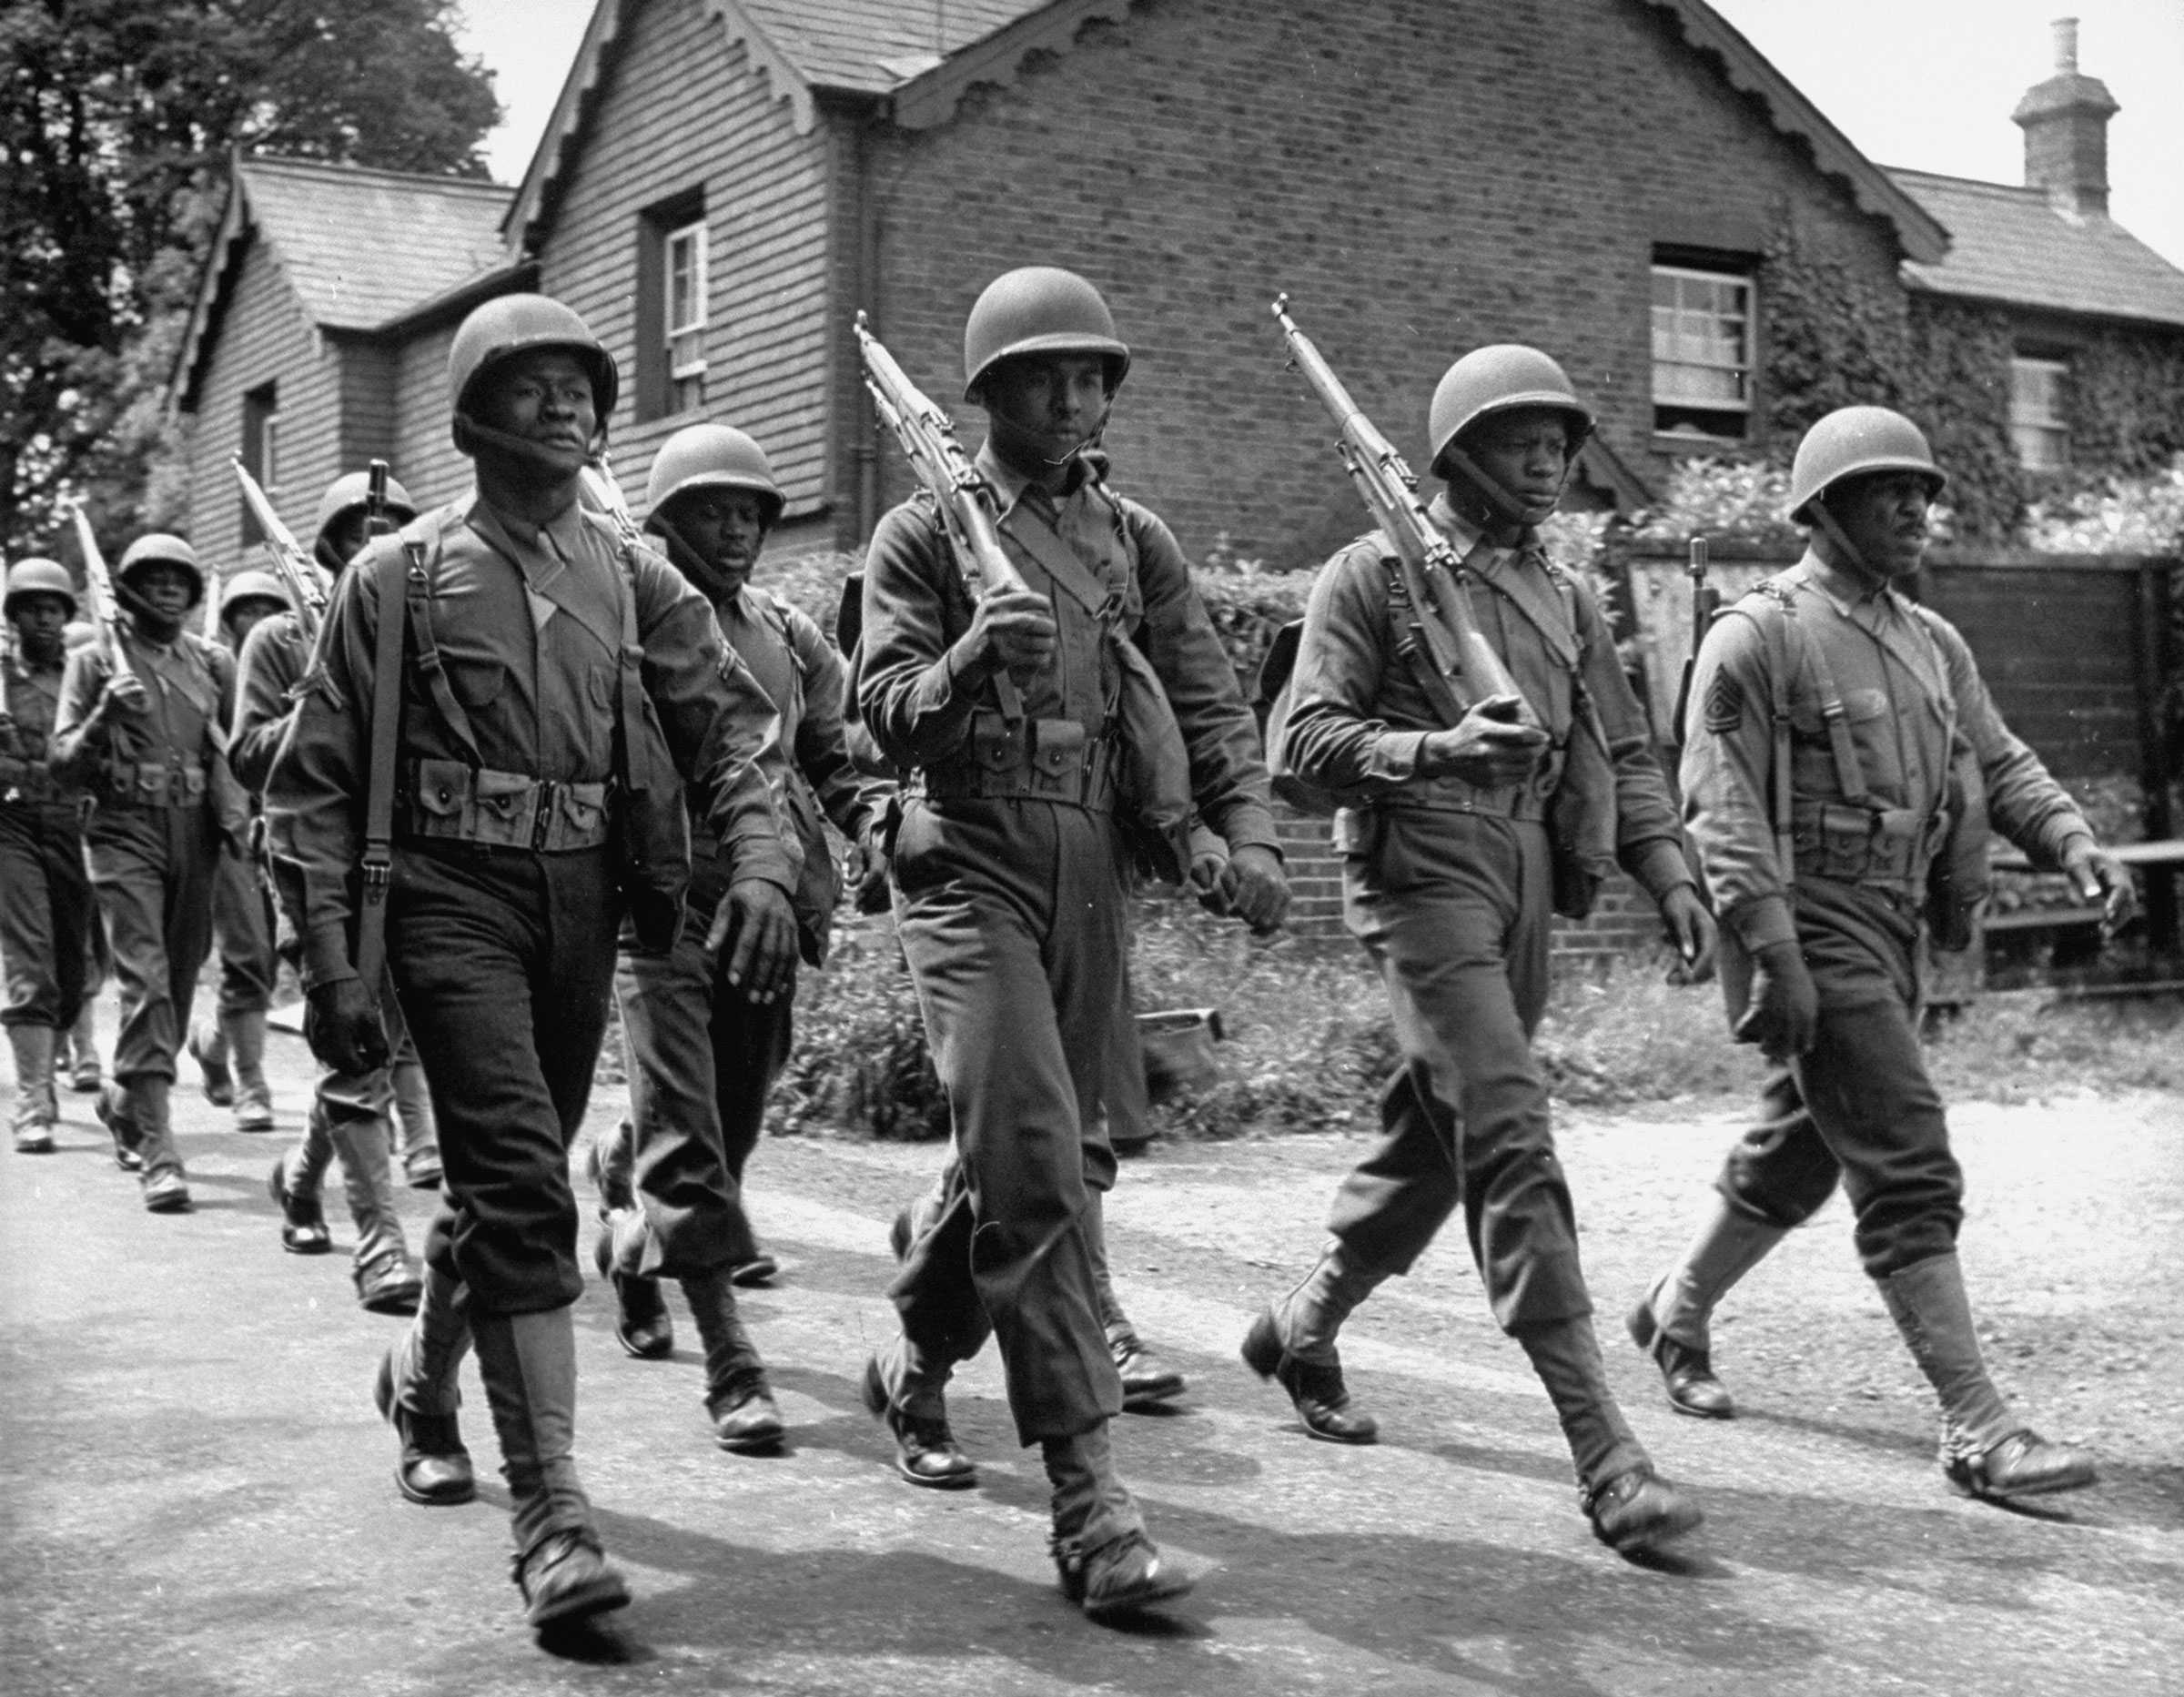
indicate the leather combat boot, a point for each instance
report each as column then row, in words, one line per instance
column 910, row 1400
column 1148, row 1381
column 386, row 1279
column 1106, row 1564
column 208, row 1048
column 112, row 1110
column 737, row 1397
column 1986, row 1451
column 247, row 1054
column 418, row 1394
column 1293, row 1343
column 529, row 1364
column 610, row 1164
column 419, row 1130
column 84, row 1075
column 37, row 1107
column 643, row 1326
column 302, row 1218
column 1632, row 1509
column 388, row 1283
column 1670, row 1321
column 166, row 1188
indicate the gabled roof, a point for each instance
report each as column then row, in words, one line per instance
column 923, row 58
column 2012, row 245
column 362, row 249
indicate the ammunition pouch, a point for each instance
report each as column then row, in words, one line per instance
column 143, row 783
column 447, row 801
column 1887, row 847
column 27, row 783
column 1046, row 760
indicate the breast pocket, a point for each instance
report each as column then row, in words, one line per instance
column 476, row 683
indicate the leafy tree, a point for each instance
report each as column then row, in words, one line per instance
column 116, row 121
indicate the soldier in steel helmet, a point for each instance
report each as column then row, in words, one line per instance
column 230, row 1048
column 351, row 1112
column 1009, row 869
column 1462, row 841
column 704, row 1052
column 1894, row 764
column 46, row 913
column 143, row 726
column 553, row 682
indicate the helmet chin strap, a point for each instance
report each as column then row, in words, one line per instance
column 1826, row 522
column 1508, row 509
column 522, row 447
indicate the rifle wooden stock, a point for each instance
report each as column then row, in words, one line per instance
column 969, row 509
column 1455, row 645
column 298, row 572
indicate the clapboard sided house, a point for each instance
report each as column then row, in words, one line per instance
column 725, row 182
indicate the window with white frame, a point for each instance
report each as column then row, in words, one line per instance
column 683, row 272
column 1702, row 354
column 2037, row 418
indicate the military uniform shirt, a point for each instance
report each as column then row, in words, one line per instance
column 1896, row 671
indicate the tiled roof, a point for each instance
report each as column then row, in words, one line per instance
column 873, row 46
column 362, row 248
column 2011, row 245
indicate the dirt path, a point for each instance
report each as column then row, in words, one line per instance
column 197, row 1493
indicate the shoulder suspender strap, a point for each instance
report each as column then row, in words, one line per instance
column 633, row 749
column 1414, row 629
column 1775, row 628
column 377, row 867
column 420, row 545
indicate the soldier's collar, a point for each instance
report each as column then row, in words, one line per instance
column 1011, row 485
column 1472, row 544
column 1845, row 594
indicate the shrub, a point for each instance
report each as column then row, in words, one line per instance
column 860, row 1063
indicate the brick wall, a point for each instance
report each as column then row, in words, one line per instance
column 1422, row 175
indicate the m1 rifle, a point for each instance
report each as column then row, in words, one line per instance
column 99, row 584
column 298, row 572
column 1456, row 648
column 1706, row 601
column 376, row 522
column 599, row 489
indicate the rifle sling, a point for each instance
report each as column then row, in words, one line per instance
column 393, row 565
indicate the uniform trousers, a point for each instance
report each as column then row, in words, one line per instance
column 504, row 961
column 1455, row 909
column 242, row 929
column 1858, row 1106
column 702, row 1056
column 153, row 869
column 47, row 916
column 1013, row 917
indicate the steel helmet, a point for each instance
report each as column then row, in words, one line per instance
column 254, row 585
column 712, row 456
column 34, row 576
column 515, row 324
column 1039, row 309
column 1500, row 379
column 161, row 548
column 1853, row 442
column 347, row 493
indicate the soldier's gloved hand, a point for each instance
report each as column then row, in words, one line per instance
column 757, row 927
column 1782, row 1015
column 1488, row 747
column 124, row 689
column 1011, row 632
column 2094, row 872
column 1257, row 888
column 1690, row 930
column 341, row 1023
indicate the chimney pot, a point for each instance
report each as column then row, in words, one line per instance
column 2066, row 44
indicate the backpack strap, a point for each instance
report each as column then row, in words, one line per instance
column 420, row 545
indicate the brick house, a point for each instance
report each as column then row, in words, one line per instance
column 725, row 182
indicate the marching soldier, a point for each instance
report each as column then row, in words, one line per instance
column 1009, row 868
column 143, row 725
column 1818, row 839
column 46, row 913
column 351, row 1112
column 230, row 1051
column 552, row 681
column 704, row 1052
column 1461, row 845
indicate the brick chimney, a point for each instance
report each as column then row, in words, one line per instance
column 2066, row 125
